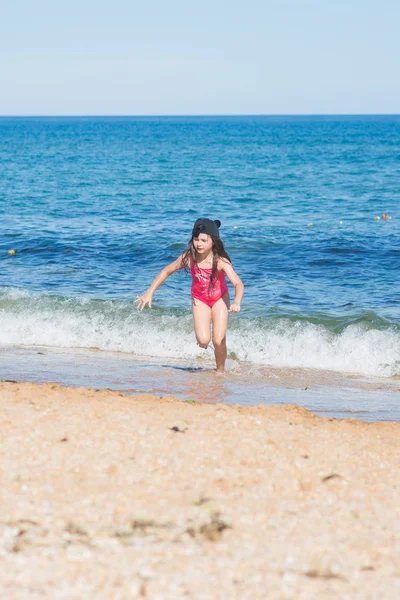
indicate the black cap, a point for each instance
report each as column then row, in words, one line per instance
column 206, row 226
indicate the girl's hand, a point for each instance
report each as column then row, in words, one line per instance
column 143, row 300
column 234, row 307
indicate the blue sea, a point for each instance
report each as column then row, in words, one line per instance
column 95, row 207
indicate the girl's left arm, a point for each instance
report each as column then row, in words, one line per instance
column 235, row 280
column 147, row 297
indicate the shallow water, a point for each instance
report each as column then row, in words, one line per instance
column 322, row 392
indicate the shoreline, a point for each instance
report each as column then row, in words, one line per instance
column 113, row 496
column 329, row 393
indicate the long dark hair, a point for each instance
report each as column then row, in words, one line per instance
column 218, row 250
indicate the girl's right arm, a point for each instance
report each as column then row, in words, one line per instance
column 161, row 277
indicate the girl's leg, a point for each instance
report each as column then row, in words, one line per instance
column 219, row 316
column 201, row 321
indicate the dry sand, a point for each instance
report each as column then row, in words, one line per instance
column 115, row 497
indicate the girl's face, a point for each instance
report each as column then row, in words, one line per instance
column 203, row 243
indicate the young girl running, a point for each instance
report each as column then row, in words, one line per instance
column 206, row 258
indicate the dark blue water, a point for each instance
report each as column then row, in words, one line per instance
column 95, row 207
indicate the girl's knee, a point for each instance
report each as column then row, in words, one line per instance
column 203, row 340
column 219, row 340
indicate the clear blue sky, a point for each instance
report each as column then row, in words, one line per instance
column 163, row 57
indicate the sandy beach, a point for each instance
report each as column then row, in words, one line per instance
column 116, row 497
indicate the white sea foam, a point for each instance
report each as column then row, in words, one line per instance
column 117, row 326
column 73, row 323
column 286, row 344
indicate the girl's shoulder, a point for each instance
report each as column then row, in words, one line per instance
column 185, row 260
column 222, row 262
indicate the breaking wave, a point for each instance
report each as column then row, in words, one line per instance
column 364, row 346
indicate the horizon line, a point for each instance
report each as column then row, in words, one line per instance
column 196, row 115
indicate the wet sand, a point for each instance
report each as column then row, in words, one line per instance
column 111, row 496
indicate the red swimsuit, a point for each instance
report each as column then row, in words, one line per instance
column 201, row 285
